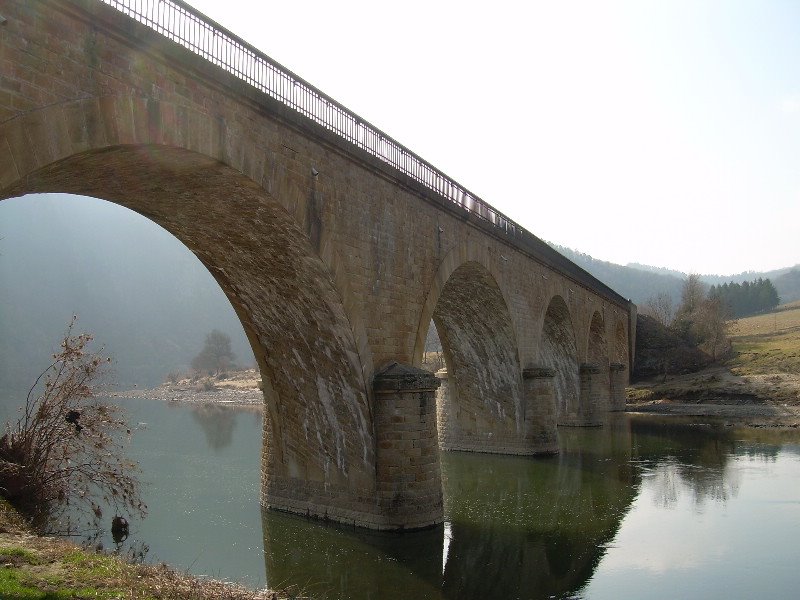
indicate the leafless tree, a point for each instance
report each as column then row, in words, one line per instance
column 660, row 308
column 66, row 447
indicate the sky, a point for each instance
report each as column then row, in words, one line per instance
column 664, row 133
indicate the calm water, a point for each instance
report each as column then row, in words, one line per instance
column 641, row 508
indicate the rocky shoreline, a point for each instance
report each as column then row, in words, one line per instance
column 237, row 388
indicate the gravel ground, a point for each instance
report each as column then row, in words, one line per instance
column 241, row 387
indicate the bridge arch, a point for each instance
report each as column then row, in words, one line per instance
column 37, row 141
column 480, row 404
column 558, row 350
column 203, row 180
column 454, row 259
column 597, row 355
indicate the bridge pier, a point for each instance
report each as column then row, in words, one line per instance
column 617, row 386
column 446, row 418
column 409, row 479
column 588, row 412
column 539, row 394
column 538, row 434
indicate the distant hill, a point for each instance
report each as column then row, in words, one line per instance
column 788, row 285
column 640, row 282
column 636, row 284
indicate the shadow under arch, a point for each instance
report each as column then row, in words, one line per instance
column 480, row 404
column 318, row 429
column 558, row 350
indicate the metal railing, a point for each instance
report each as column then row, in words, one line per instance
column 191, row 29
column 179, row 22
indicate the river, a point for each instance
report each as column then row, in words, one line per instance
column 643, row 507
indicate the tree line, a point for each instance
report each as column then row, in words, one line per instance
column 746, row 298
column 681, row 338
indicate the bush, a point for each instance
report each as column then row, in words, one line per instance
column 65, row 450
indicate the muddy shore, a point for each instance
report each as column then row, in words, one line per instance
column 753, row 400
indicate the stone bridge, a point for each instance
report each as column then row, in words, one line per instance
column 336, row 246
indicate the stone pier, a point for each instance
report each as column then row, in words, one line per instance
column 540, row 410
column 588, row 410
column 617, row 386
column 408, row 470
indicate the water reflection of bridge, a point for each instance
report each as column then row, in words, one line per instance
column 516, row 527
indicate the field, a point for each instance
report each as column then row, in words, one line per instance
column 767, row 344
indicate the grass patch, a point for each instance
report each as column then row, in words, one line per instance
column 44, row 568
column 17, row 555
column 19, row 585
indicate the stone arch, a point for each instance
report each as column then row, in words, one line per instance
column 41, row 138
column 558, row 350
column 480, row 407
column 596, row 347
column 597, row 355
column 209, row 185
column 454, row 259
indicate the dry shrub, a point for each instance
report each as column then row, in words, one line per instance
column 65, row 450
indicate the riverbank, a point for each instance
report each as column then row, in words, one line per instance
column 36, row 567
column 758, row 385
column 237, row 388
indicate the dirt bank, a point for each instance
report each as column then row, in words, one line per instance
column 756, row 399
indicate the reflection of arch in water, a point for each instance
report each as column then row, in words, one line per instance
column 266, row 256
column 551, row 518
column 325, row 559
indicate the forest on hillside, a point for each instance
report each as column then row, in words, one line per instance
column 640, row 282
column 746, row 298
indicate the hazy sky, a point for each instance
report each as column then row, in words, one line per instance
column 666, row 133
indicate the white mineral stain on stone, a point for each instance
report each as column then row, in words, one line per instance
column 326, row 401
